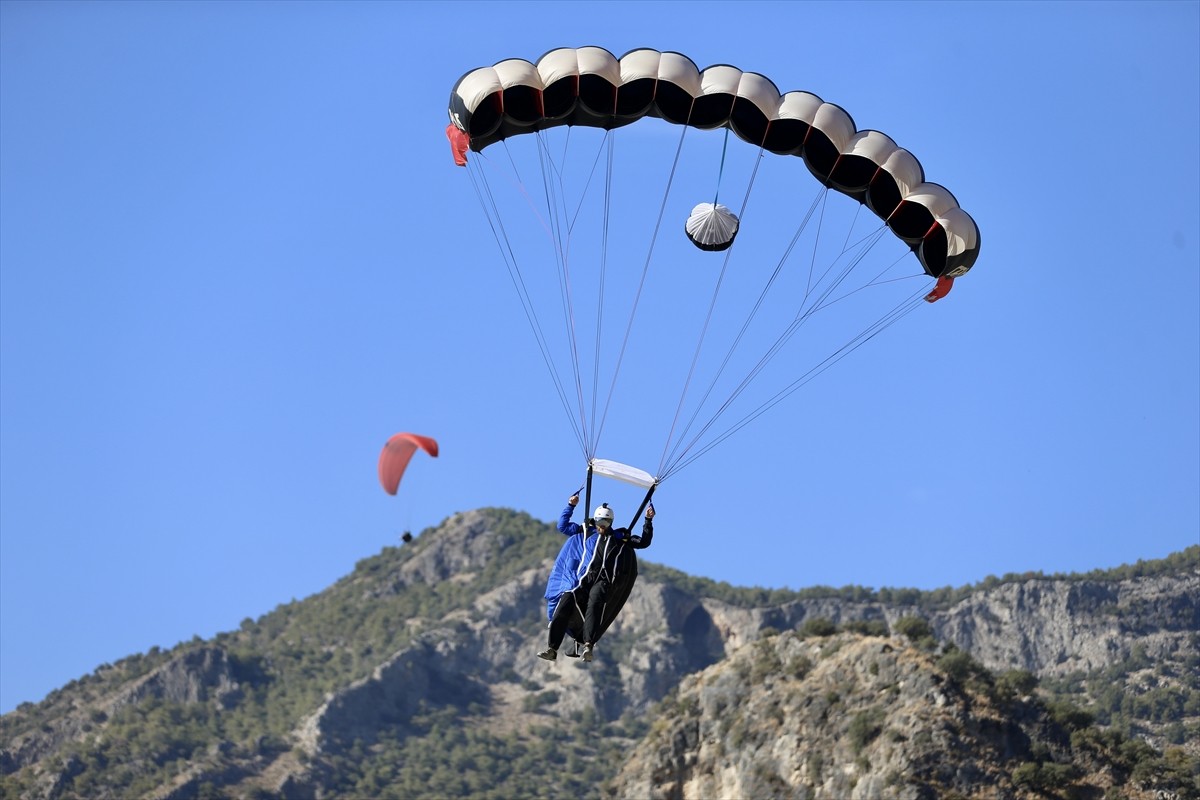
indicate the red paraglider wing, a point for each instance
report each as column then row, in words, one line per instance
column 397, row 453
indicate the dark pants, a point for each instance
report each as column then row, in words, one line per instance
column 588, row 597
column 564, row 613
column 592, row 620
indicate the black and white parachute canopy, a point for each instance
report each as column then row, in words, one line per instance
column 590, row 86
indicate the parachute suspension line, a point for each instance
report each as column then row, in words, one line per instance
column 867, row 243
column 591, row 174
column 551, row 228
column 901, row 310
column 587, row 501
column 850, row 228
column 491, row 211
column 721, row 169
column 812, row 265
column 869, row 240
column 708, row 321
column 687, row 382
column 876, row 280
column 566, row 148
column 559, row 202
column 531, row 312
column 868, row 286
column 864, row 246
column 750, row 317
column 520, row 186
column 645, row 502
column 787, row 254
column 594, row 443
column 645, row 270
column 819, row 304
column 555, row 208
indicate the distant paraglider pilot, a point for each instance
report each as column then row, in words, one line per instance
column 592, row 577
column 393, row 461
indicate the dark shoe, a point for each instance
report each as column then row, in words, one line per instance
column 549, row 654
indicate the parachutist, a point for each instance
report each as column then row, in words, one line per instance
column 592, row 577
column 394, row 458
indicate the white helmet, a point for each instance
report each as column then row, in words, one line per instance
column 603, row 514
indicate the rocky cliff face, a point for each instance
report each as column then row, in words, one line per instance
column 750, row 704
column 1045, row 626
column 848, row 717
column 1054, row 627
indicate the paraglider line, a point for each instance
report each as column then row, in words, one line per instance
column 708, row 321
column 487, row 200
column 889, row 319
column 816, row 240
column 645, row 270
column 721, row 169
column 779, row 343
column 594, row 444
column 562, row 246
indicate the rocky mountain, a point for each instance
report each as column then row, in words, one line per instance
column 415, row 676
column 851, row 716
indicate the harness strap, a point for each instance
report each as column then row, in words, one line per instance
column 642, row 507
column 587, row 501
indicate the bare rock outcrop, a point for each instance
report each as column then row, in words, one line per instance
column 847, row 716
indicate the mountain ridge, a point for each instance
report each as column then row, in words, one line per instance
column 318, row 695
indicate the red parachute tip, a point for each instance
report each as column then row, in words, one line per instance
column 940, row 289
column 459, row 142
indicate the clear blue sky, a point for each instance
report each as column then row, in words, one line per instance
column 235, row 257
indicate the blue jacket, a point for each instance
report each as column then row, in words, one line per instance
column 572, row 559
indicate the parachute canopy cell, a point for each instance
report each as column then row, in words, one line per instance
column 592, row 87
column 397, row 453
